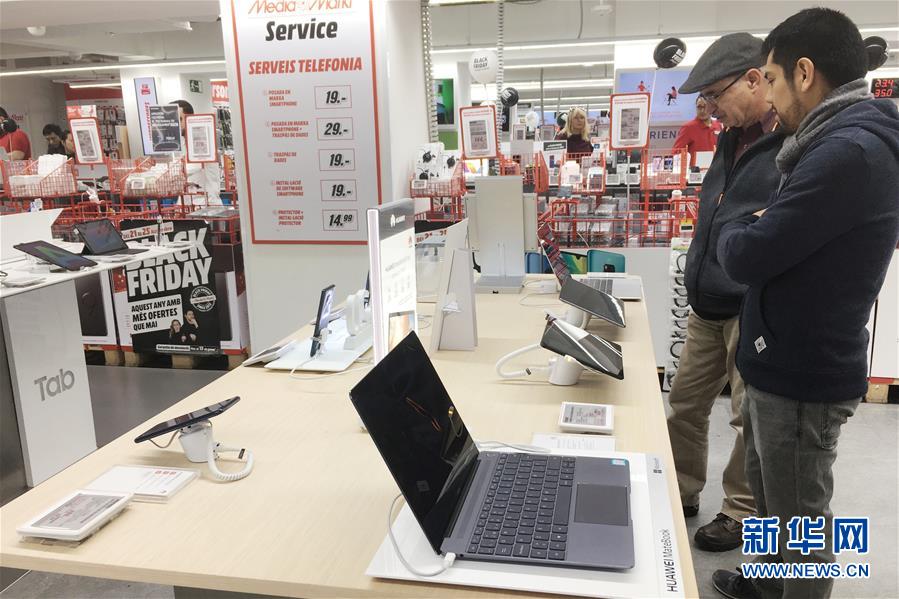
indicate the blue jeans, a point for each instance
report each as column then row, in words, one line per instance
column 790, row 450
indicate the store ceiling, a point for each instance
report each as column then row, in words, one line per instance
column 111, row 30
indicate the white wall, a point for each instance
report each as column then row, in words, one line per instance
column 284, row 280
column 40, row 100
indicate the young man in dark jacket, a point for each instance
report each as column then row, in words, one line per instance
column 739, row 181
column 814, row 261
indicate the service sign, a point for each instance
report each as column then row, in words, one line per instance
column 306, row 88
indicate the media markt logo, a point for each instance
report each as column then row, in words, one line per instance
column 54, row 385
column 202, row 298
column 282, row 7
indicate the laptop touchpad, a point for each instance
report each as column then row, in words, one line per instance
column 601, row 504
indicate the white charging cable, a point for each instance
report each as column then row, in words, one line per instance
column 212, row 455
column 448, row 559
column 519, row 373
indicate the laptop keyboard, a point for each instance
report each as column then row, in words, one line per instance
column 525, row 512
column 604, row 285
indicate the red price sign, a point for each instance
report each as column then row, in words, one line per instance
column 887, row 87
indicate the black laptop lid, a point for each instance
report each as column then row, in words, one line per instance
column 101, row 236
column 420, row 435
column 553, row 253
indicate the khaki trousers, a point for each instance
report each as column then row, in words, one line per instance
column 706, row 364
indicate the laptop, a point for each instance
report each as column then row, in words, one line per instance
column 576, row 292
column 531, row 509
column 101, row 238
column 619, row 285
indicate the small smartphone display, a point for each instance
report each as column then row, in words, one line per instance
column 187, row 419
column 323, row 317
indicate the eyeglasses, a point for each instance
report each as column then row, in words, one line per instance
column 712, row 99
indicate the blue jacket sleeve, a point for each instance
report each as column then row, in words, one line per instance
column 816, row 205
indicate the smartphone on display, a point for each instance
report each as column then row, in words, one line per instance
column 187, row 419
column 591, row 352
column 323, row 317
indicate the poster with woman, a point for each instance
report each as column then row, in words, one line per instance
column 172, row 303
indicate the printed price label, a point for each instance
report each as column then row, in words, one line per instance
column 340, row 220
column 336, row 128
column 338, row 190
column 333, row 96
column 337, row 160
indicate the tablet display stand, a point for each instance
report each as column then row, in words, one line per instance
column 455, row 315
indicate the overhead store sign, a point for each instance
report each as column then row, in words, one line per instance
column 307, row 94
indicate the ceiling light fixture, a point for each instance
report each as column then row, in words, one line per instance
column 587, row 44
column 559, row 84
column 555, row 65
column 87, row 85
column 569, row 99
column 105, row 66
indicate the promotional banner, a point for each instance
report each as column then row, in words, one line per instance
column 220, row 94
column 478, row 132
column 86, row 133
column 668, row 105
column 629, row 121
column 172, row 301
column 165, row 128
column 306, row 88
column 145, row 92
column 201, row 145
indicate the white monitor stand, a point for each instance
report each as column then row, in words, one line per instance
column 499, row 220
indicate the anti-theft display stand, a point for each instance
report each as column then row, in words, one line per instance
column 500, row 231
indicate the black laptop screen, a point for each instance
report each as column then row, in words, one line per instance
column 100, row 236
column 420, row 435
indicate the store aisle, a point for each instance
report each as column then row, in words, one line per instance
column 866, row 474
column 867, row 471
column 124, row 397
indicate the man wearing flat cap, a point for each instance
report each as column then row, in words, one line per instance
column 740, row 181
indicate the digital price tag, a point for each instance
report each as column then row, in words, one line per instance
column 586, row 418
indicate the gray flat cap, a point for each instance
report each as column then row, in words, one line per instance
column 728, row 55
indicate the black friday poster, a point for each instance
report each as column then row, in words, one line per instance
column 172, row 302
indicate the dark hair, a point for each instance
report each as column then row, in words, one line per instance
column 3, row 113
column 825, row 36
column 51, row 128
column 186, row 106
